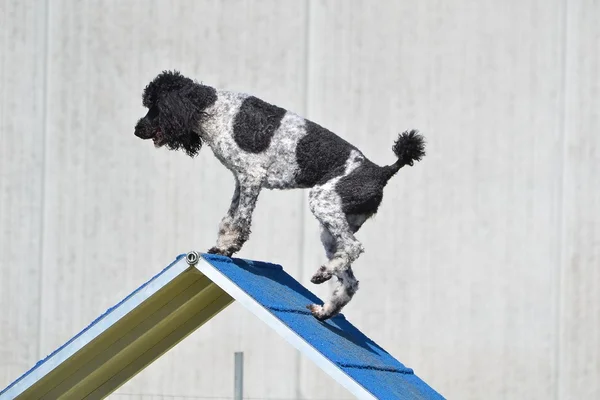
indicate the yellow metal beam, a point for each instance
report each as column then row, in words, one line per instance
column 126, row 339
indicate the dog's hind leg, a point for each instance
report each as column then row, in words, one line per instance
column 234, row 229
column 346, row 287
column 323, row 274
column 325, row 204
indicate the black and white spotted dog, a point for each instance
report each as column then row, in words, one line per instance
column 266, row 146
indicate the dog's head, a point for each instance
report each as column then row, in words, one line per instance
column 176, row 107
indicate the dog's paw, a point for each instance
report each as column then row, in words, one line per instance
column 318, row 312
column 222, row 252
column 214, row 250
column 322, row 275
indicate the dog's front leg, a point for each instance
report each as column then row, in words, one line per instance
column 225, row 227
column 227, row 220
column 234, row 229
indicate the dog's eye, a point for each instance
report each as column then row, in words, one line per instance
column 152, row 113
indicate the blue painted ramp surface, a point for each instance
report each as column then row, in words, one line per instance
column 337, row 339
column 184, row 296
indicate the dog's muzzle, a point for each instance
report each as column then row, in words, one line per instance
column 143, row 130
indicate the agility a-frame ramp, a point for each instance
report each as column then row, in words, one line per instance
column 185, row 295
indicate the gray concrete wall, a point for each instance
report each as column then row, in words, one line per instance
column 481, row 269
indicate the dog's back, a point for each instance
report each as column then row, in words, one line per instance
column 248, row 133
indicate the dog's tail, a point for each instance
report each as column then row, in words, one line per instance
column 409, row 147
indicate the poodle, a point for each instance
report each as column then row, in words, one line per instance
column 268, row 147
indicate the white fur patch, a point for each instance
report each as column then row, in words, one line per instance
column 276, row 166
column 282, row 152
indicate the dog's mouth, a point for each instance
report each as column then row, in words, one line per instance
column 159, row 139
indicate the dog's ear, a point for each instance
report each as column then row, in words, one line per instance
column 177, row 114
column 165, row 82
column 181, row 114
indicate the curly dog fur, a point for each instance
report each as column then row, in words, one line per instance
column 266, row 146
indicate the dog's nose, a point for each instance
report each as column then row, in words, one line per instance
column 141, row 134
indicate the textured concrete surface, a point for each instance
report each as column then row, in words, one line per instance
column 579, row 345
column 463, row 237
column 22, row 127
column 481, row 269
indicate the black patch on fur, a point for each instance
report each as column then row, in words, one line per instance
column 321, row 155
column 361, row 191
column 255, row 123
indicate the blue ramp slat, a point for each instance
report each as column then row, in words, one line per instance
column 336, row 339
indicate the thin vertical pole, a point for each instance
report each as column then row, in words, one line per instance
column 238, row 389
